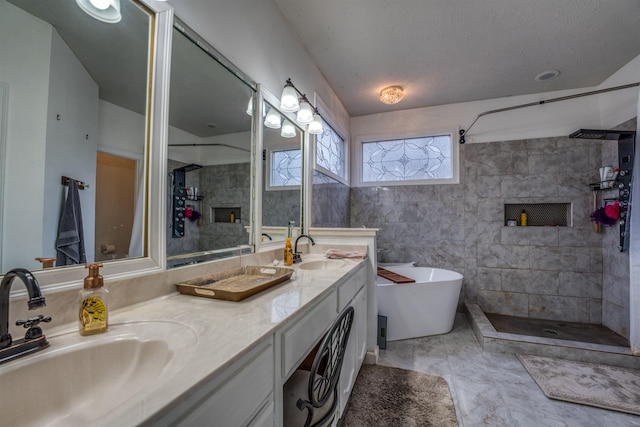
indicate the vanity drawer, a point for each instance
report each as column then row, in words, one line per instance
column 348, row 289
column 299, row 339
column 240, row 397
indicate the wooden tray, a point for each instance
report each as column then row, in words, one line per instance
column 235, row 284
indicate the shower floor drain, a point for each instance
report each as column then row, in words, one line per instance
column 550, row 331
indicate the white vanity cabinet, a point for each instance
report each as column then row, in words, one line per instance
column 357, row 345
column 249, row 392
column 240, row 396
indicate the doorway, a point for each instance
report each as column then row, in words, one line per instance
column 115, row 206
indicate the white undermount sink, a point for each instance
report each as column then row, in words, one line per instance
column 77, row 380
column 323, row 264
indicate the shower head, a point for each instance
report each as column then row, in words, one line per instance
column 601, row 134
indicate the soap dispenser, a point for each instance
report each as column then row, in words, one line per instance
column 93, row 313
column 288, row 249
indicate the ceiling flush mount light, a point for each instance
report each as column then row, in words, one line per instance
column 547, row 75
column 292, row 100
column 103, row 10
column 391, row 95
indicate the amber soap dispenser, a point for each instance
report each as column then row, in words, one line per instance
column 93, row 316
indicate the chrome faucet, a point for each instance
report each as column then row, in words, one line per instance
column 296, row 254
column 34, row 340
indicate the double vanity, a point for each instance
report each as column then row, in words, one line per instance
column 185, row 360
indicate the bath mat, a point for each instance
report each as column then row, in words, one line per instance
column 603, row 386
column 390, row 397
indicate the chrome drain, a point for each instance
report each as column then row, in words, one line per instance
column 550, row 331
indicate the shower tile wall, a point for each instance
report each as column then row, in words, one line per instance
column 330, row 202
column 541, row 272
column 225, row 186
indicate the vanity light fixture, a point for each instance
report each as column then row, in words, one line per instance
column 273, row 119
column 305, row 113
column 292, row 100
column 250, row 107
column 391, row 95
column 289, row 100
column 288, row 129
column 103, row 10
column 315, row 127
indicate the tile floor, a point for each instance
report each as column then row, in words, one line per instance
column 490, row 389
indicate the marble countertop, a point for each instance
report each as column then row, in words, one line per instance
column 217, row 333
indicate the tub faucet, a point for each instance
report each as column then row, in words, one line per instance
column 296, row 254
column 34, row 340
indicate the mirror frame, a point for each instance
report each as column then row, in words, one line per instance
column 157, row 118
column 266, row 96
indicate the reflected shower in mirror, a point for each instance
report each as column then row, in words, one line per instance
column 73, row 95
column 282, row 180
column 209, row 166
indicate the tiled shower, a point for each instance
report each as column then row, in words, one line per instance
column 567, row 273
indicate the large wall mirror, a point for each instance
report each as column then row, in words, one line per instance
column 210, row 154
column 283, row 175
column 74, row 98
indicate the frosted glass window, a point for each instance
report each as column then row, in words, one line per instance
column 412, row 159
column 330, row 151
column 286, row 168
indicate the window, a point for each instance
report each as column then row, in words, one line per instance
column 330, row 153
column 417, row 160
column 285, row 169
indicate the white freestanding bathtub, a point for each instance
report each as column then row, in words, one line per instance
column 426, row 307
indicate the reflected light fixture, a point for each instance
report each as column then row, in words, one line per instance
column 250, row 107
column 288, row 129
column 391, row 95
column 103, row 10
column 273, row 119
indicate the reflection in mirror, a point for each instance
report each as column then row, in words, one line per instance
column 209, row 167
column 75, row 98
column 282, row 166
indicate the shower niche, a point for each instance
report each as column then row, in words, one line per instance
column 539, row 214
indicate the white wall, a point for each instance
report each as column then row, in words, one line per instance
column 25, row 43
column 71, row 147
column 255, row 37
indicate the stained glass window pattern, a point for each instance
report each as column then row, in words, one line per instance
column 286, row 168
column 330, row 151
column 411, row 159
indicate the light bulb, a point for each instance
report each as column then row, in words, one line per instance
column 315, row 127
column 288, row 130
column 305, row 113
column 100, row 4
column 273, row 120
column 289, row 100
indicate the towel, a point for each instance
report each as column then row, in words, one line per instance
column 70, row 242
column 336, row 253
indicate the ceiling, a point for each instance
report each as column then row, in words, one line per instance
column 449, row 51
column 206, row 98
